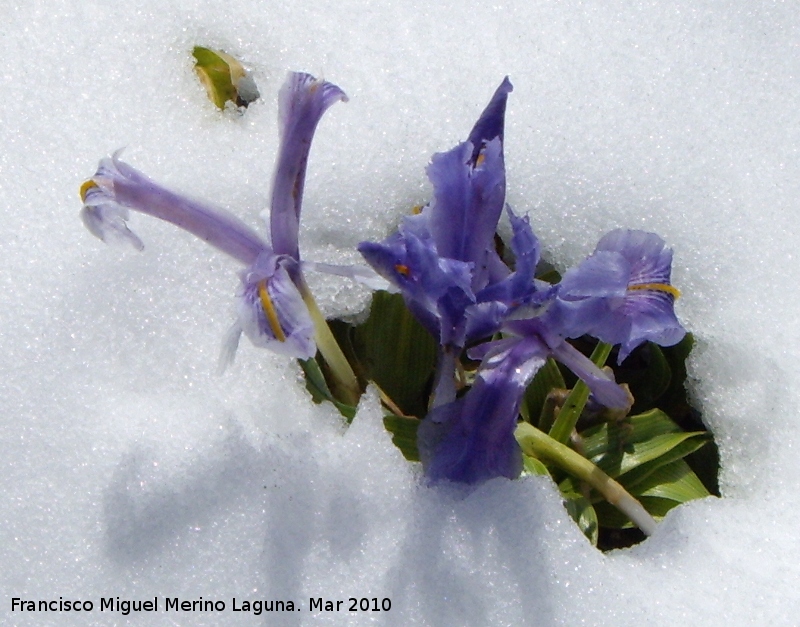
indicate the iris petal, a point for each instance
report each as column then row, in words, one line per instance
column 621, row 294
column 302, row 102
column 441, row 258
column 106, row 219
column 492, row 121
column 471, row 440
column 468, row 201
column 271, row 310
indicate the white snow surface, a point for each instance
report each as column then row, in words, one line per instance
column 131, row 470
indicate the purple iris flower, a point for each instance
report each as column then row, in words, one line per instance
column 443, row 259
column 272, row 307
column 471, row 439
column 622, row 293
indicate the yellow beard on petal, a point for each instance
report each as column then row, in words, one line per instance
column 657, row 287
column 269, row 311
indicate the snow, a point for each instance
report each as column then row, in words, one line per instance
column 131, row 470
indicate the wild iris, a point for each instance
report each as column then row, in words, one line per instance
column 479, row 306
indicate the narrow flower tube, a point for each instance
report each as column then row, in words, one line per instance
column 117, row 187
column 275, row 309
column 270, row 309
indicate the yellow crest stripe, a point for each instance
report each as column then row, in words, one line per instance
column 657, row 287
column 269, row 311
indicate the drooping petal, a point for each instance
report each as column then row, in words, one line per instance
column 471, row 440
column 436, row 289
column 117, row 187
column 622, row 294
column 106, row 219
column 302, row 102
column 649, row 302
column 585, row 296
column 602, row 385
column 650, row 259
column 271, row 310
column 605, row 275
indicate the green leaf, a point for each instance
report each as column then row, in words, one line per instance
column 396, row 352
column 319, row 390
column 533, row 466
column 617, row 463
column 679, row 451
column 404, row 434
column 652, row 380
column 547, row 378
column 616, row 436
column 705, row 463
column 674, row 481
column 224, row 77
column 581, row 511
column 630, row 451
column 666, row 488
column 667, row 479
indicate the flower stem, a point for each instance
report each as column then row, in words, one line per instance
column 541, row 446
column 345, row 382
column 571, row 410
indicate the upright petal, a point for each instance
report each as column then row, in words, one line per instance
column 442, row 257
column 468, row 200
column 492, row 121
column 117, row 187
column 519, row 286
column 469, row 190
column 302, row 102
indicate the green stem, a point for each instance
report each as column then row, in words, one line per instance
column 346, row 384
column 568, row 416
column 537, row 444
